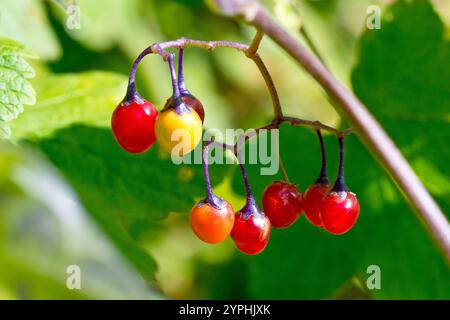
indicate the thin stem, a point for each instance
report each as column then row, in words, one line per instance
column 209, row 193
column 250, row 206
column 311, row 44
column 270, row 85
column 181, row 81
column 248, row 191
column 178, row 104
column 160, row 48
column 323, row 170
column 339, row 185
column 283, row 169
column 251, row 51
column 131, row 91
column 173, row 76
column 317, row 125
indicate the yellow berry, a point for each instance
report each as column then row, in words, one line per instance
column 178, row 133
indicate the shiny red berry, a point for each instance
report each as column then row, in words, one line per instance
column 339, row 211
column 251, row 232
column 282, row 203
column 133, row 125
column 191, row 102
column 312, row 202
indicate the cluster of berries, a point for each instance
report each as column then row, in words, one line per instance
column 333, row 208
column 136, row 125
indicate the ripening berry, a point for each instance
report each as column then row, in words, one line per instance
column 282, row 203
column 211, row 224
column 312, row 202
column 339, row 211
column 133, row 125
column 178, row 132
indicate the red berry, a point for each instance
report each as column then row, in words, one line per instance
column 312, row 202
column 339, row 212
column 251, row 232
column 210, row 224
column 133, row 125
column 191, row 102
column 282, row 203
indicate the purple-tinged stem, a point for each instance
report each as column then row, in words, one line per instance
column 250, row 206
column 132, row 94
column 181, row 81
column 209, row 193
column 339, row 185
column 211, row 198
column 173, row 76
column 178, row 104
column 323, row 170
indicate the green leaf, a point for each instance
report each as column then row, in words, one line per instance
column 88, row 98
column 15, row 88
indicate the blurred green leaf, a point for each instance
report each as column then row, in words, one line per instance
column 88, row 97
column 26, row 21
column 44, row 230
column 287, row 11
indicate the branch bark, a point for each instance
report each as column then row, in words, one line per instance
column 362, row 121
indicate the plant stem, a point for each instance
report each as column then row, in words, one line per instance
column 173, row 76
column 250, row 199
column 249, row 51
column 323, row 170
column 131, row 90
column 209, row 193
column 178, row 104
column 283, row 169
column 339, row 185
column 181, row 81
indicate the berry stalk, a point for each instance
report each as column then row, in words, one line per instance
column 339, row 185
column 132, row 94
column 176, row 90
column 250, row 206
column 323, row 170
column 178, row 104
column 211, row 198
column 181, row 82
